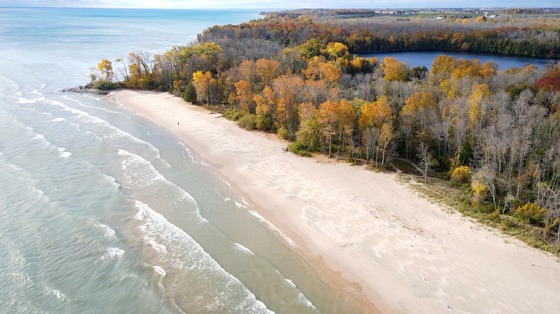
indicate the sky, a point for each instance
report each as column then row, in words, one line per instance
column 264, row 4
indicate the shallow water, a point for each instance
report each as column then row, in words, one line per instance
column 102, row 211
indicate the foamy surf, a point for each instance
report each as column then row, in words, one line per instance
column 63, row 153
column 227, row 294
column 112, row 253
column 274, row 228
column 112, row 134
column 240, row 248
column 107, row 231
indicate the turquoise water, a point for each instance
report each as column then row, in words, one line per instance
column 425, row 58
column 102, row 211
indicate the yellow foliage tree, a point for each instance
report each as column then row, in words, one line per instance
column 106, row 68
column 394, row 70
column 479, row 93
column 244, row 96
column 374, row 114
column 267, row 70
column 204, row 84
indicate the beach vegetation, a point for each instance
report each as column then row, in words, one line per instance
column 299, row 149
column 105, row 86
column 248, row 122
column 461, row 175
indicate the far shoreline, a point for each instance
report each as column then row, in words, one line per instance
column 406, row 254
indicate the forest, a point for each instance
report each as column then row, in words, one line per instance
column 492, row 134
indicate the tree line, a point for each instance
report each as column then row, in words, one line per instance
column 494, row 133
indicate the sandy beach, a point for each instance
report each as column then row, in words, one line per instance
column 389, row 245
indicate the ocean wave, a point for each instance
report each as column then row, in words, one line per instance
column 92, row 107
column 159, row 270
column 40, row 193
column 191, row 259
column 109, row 178
column 54, row 292
column 240, row 248
column 300, row 298
column 58, row 120
column 140, row 173
column 113, row 134
column 237, row 204
column 23, row 100
column 63, row 153
column 112, row 253
column 303, row 300
column 107, row 231
column 273, row 227
column 37, row 92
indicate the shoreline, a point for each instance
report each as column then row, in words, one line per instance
column 368, row 234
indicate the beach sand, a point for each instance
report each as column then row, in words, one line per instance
column 398, row 250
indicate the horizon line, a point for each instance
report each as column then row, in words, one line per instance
column 272, row 9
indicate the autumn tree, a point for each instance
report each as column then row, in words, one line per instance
column 373, row 116
column 106, row 68
column 206, row 87
column 244, row 96
column 267, row 70
column 336, row 119
column 265, row 107
column 394, row 70
column 289, row 91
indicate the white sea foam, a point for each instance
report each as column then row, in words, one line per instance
column 158, row 247
column 108, row 232
column 303, row 300
column 40, row 193
column 112, row 180
column 160, row 270
column 23, row 100
column 273, row 227
column 237, row 204
column 63, row 153
column 112, row 253
column 140, row 173
column 58, row 120
column 59, row 295
column 242, row 249
column 188, row 256
column 113, row 134
column 300, row 298
column 291, row 283
column 36, row 92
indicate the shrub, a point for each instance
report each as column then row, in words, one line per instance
column 479, row 192
column 532, row 213
column 283, row 133
column 461, row 175
column 189, row 94
column 299, row 149
column 233, row 114
column 105, row 85
column 264, row 123
column 248, row 122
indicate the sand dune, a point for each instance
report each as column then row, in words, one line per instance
column 407, row 254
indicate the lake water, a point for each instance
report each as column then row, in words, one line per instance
column 425, row 58
column 103, row 212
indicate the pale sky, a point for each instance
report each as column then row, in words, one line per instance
column 264, row 4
